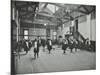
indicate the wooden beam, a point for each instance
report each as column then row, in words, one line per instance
column 22, row 6
column 85, row 8
column 79, row 16
column 57, row 4
column 78, row 10
column 68, row 14
column 25, row 13
column 26, row 5
column 75, row 10
column 94, row 9
column 45, row 5
column 32, row 25
column 26, row 10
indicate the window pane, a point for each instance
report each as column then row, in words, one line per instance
column 26, row 37
column 54, row 33
column 25, row 32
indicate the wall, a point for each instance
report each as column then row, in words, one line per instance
column 21, row 33
column 59, row 32
column 93, row 29
column 83, row 28
column 33, row 33
column 51, row 33
column 37, row 32
column 64, row 29
column 14, row 31
column 88, row 31
column 86, row 26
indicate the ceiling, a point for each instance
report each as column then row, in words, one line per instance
column 50, row 13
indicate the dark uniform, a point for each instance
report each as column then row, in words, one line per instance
column 43, row 42
column 75, row 44
column 71, row 44
column 30, row 45
column 26, row 46
column 64, row 46
column 36, row 48
column 49, row 45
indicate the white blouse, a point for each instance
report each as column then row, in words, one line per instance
column 50, row 43
column 35, row 44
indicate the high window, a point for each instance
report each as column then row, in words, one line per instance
column 26, row 33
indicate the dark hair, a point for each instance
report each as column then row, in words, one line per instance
column 35, row 39
column 38, row 36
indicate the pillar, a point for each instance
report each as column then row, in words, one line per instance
column 18, row 26
column 62, row 30
column 89, row 26
column 19, row 29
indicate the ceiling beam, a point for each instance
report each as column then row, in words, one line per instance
column 34, row 8
column 57, row 4
column 81, row 11
column 75, row 10
column 78, row 10
column 27, row 4
column 93, row 10
column 46, row 4
column 32, row 25
column 23, row 10
column 23, row 6
column 79, row 16
column 26, row 13
column 85, row 8
column 26, row 18
column 68, row 15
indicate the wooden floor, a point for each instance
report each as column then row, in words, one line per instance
column 55, row 62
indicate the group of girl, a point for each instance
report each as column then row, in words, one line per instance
column 70, row 43
column 26, row 44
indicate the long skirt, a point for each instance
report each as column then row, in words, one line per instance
column 49, row 47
